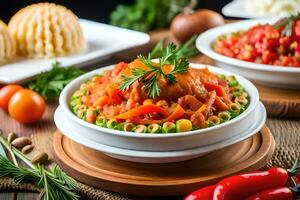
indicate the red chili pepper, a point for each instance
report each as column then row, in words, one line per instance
column 205, row 193
column 280, row 193
column 213, row 87
column 142, row 110
column 241, row 186
column 178, row 112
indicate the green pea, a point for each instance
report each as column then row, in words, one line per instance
column 169, row 127
column 74, row 102
column 237, row 93
column 119, row 126
column 140, row 128
column 112, row 123
column 222, row 76
column 101, row 121
column 77, row 94
column 233, row 83
column 224, row 116
column 154, row 128
column 234, row 109
column 183, row 125
column 230, row 78
column 129, row 127
column 213, row 120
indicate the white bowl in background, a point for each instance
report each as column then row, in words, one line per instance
column 162, row 142
column 273, row 76
column 73, row 131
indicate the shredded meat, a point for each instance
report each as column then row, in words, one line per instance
column 189, row 102
column 189, row 83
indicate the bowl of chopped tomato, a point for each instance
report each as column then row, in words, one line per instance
column 163, row 105
column 265, row 51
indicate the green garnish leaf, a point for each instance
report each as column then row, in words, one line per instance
column 149, row 77
column 50, row 84
column 287, row 24
column 147, row 15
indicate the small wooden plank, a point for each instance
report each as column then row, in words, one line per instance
column 8, row 195
column 280, row 102
column 27, row 196
column 111, row 174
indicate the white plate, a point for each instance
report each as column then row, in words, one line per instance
column 273, row 76
column 236, row 8
column 73, row 131
column 162, row 142
column 102, row 41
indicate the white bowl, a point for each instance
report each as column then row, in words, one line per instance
column 73, row 131
column 163, row 142
column 274, row 76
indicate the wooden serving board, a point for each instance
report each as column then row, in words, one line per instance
column 96, row 169
column 280, row 102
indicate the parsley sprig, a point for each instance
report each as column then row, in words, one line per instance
column 287, row 24
column 150, row 76
column 50, row 84
column 54, row 183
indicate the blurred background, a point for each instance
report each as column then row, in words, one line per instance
column 98, row 10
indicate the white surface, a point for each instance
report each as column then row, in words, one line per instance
column 236, row 8
column 102, row 41
column 260, row 8
column 273, row 76
column 73, row 131
column 162, row 142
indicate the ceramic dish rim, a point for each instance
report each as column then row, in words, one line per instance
column 259, row 123
column 205, row 40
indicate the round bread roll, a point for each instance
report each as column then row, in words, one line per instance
column 7, row 44
column 46, row 30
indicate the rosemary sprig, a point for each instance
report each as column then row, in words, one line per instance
column 55, row 184
column 287, row 24
column 150, row 76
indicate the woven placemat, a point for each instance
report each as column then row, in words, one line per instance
column 286, row 133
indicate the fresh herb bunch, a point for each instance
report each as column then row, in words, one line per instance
column 55, row 184
column 149, row 77
column 50, row 84
column 185, row 50
column 287, row 24
column 147, row 15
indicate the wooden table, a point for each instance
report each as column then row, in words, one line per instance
column 42, row 132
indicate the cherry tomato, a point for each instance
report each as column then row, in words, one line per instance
column 281, row 193
column 241, row 186
column 26, row 106
column 6, row 93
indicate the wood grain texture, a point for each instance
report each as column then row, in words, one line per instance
column 280, row 102
column 111, row 174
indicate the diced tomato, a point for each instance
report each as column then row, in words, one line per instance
column 113, row 93
column 102, row 101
